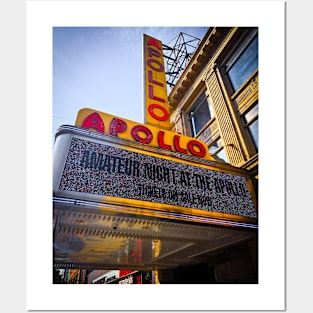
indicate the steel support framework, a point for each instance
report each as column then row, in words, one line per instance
column 177, row 54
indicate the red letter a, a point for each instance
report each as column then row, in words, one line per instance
column 94, row 120
column 153, row 42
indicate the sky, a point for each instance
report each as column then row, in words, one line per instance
column 102, row 68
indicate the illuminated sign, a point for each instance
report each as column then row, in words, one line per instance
column 156, row 101
column 104, row 171
column 124, row 272
column 127, row 280
column 134, row 277
column 141, row 133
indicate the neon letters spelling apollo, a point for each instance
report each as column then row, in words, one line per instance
column 144, row 134
column 156, row 100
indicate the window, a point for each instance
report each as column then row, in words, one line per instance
column 243, row 63
column 216, row 149
column 252, row 124
column 200, row 114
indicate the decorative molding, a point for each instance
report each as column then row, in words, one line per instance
column 209, row 72
column 251, row 89
column 176, row 115
column 207, row 133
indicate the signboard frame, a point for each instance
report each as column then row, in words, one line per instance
column 66, row 134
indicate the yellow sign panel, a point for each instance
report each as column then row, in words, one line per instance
column 156, row 110
column 142, row 133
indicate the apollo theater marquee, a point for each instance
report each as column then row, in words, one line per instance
column 139, row 196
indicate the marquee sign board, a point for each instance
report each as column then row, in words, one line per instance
column 107, row 169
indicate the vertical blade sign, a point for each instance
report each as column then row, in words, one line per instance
column 156, row 108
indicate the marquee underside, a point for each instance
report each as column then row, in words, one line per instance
column 114, row 237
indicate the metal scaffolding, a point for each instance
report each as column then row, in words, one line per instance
column 177, row 54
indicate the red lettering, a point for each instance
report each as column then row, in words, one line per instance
column 153, row 53
column 153, row 42
column 159, row 68
column 142, row 134
column 161, row 142
column 138, row 279
column 155, row 116
column 152, row 81
column 117, row 126
column 199, row 152
column 152, row 96
column 178, row 148
column 139, row 128
column 95, row 121
column 124, row 272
